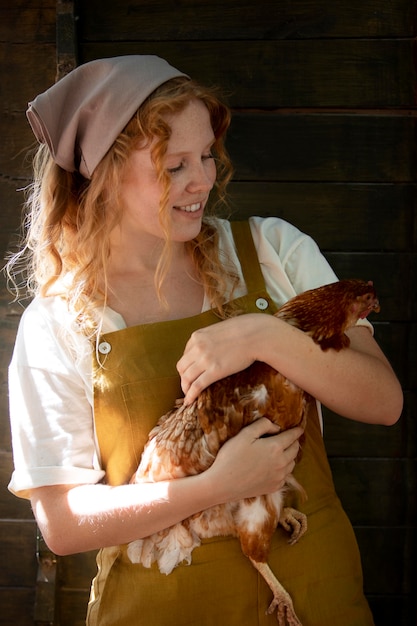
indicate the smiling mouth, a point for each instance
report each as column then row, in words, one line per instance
column 190, row 208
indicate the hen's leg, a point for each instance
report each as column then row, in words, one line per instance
column 281, row 601
column 294, row 522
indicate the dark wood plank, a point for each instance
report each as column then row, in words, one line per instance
column 22, row 86
column 71, row 608
column 29, row 21
column 154, row 20
column 411, row 356
column 347, row 438
column 394, row 339
column 393, row 609
column 398, row 341
column 27, row 66
column 397, row 296
column 376, row 492
column 11, row 508
column 337, row 148
column 17, row 606
column 384, row 558
column 76, row 571
column 18, row 554
column 19, row 143
column 326, row 73
column 8, row 328
column 339, row 216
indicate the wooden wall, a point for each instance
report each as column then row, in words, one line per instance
column 27, row 66
column 324, row 135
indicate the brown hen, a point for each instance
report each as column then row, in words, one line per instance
column 186, row 440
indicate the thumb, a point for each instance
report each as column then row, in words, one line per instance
column 263, row 427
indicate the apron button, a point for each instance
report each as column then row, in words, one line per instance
column 262, row 304
column 104, row 347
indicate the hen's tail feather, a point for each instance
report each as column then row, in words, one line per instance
column 168, row 549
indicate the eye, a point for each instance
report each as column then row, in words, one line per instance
column 178, row 168
column 175, row 170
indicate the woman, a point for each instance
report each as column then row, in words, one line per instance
column 136, row 291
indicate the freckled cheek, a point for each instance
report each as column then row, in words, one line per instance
column 212, row 175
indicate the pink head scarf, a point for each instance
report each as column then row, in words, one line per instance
column 80, row 116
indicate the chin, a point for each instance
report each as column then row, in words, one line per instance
column 187, row 226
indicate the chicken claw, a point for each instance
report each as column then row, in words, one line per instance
column 294, row 522
column 285, row 612
column 281, row 601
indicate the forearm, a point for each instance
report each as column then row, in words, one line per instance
column 87, row 517
column 356, row 382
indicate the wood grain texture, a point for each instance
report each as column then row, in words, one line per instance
column 18, row 554
column 335, row 148
column 27, row 21
column 349, row 439
column 17, row 606
column 383, row 563
column 325, row 73
column 199, row 20
column 376, row 216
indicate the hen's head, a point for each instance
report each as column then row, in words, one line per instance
column 325, row 313
column 361, row 299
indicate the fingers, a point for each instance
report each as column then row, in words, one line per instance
column 197, row 374
column 192, row 380
column 281, row 449
column 278, row 449
column 191, row 371
column 263, row 426
column 257, row 460
column 215, row 352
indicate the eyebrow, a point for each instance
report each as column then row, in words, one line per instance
column 185, row 152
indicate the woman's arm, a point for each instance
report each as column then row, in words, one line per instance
column 78, row 518
column 357, row 382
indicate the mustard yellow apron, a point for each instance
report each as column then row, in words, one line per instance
column 135, row 383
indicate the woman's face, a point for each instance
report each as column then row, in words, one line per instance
column 192, row 169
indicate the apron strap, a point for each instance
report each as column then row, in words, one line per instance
column 248, row 256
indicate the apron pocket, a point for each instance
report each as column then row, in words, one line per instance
column 146, row 401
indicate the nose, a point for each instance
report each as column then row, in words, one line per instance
column 202, row 177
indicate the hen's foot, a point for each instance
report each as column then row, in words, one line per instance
column 294, row 522
column 281, row 602
column 285, row 611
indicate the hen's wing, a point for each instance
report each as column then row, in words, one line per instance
column 176, row 447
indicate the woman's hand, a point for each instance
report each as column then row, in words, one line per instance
column 256, row 461
column 217, row 351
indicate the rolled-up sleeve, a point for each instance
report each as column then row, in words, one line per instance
column 50, row 393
